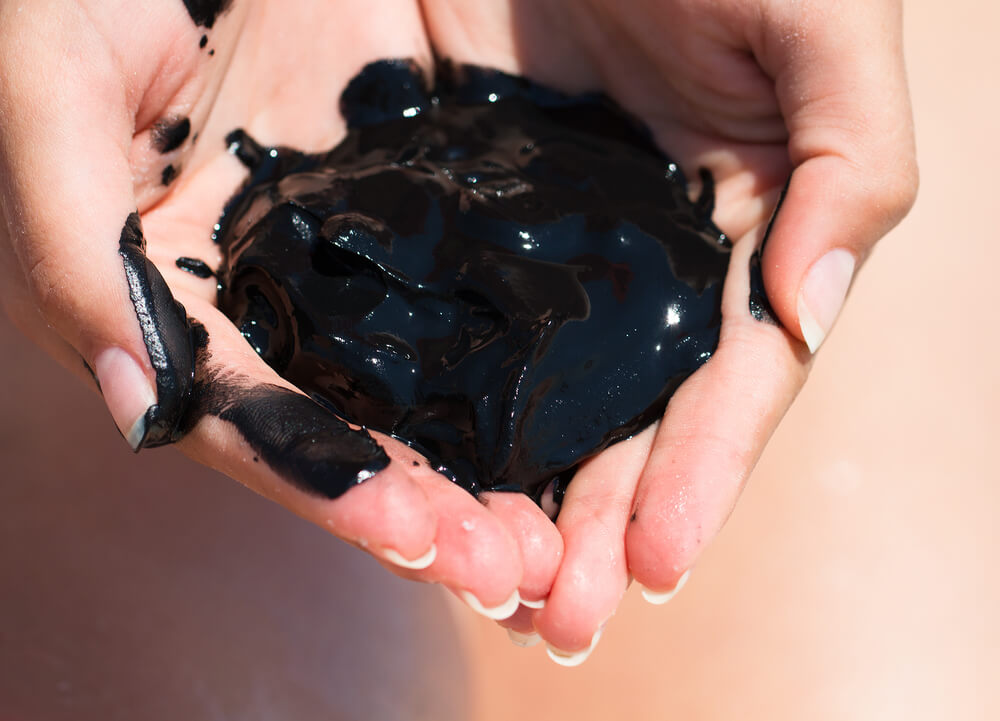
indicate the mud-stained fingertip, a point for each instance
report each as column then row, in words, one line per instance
column 298, row 438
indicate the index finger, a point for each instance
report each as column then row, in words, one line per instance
column 841, row 84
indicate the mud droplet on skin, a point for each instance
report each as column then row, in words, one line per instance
column 170, row 133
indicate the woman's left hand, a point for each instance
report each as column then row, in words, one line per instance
column 755, row 91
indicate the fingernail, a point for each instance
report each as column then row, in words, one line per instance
column 497, row 613
column 524, row 640
column 573, row 658
column 548, row 501
column 416, row 564
column 822, row 295
column 128, row 393
column 658, row 598
column 540, row 603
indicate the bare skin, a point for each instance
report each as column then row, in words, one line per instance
column 750, row 89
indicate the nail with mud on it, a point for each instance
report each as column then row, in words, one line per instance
column 128, row 392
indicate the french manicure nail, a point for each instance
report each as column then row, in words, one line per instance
column 573, row 658
column 658, row 598
column 540, row 603
column 416, row 564
column 822, row 295
column 524, row 640
column 497, row 613
column 128, row 393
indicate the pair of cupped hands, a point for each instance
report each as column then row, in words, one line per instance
column 756, row 91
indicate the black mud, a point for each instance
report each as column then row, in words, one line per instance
column 505, row 277
column 170, row 133
column 204, row 13
column 166, row 334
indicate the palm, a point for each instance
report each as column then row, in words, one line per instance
column 647, row 506
column 267, row 83
column 296, row 70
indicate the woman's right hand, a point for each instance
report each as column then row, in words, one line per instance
column 113, row 108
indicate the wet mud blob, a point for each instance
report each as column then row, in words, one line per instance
column 506, row 278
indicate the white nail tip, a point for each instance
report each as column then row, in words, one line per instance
column 127, row 391
column 812, row 332
column 417, row 564
column 540, row 603
column 524, row 640
column 575, row 658
column 822, row 295
column 497, row 613
column 658, row 598
column 136, row 433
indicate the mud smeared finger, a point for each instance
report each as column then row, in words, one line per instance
column 167, row 335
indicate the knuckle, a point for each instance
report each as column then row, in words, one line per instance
column 48, row 286
column 890, row 194
column 899, row 191
column 908, row 185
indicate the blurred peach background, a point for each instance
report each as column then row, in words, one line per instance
column 856, row 580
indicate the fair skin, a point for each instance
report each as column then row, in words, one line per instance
column 750, row 89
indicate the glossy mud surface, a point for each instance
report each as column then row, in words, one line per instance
column 504, row 277
column 297, row 438
column 166, row 334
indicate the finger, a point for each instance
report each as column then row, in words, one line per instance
column 67, row 193
column 410, row 516
column 478, row 559
column 474, row 553
column 712, row 433
column 539, row 542
column 841, row 84
column 593, row 576
column 20, row 308
column 252, row 425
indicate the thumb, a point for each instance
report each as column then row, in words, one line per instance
column 67, row 194
column 841, row 83
column 148, row 420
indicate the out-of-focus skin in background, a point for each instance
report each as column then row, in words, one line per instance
column 856, row 578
